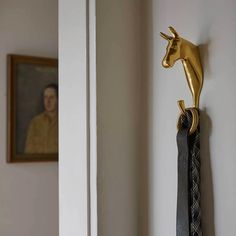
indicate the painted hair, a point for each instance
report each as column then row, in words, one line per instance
column 52, row 86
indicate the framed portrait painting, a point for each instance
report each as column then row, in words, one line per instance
column 32, row 109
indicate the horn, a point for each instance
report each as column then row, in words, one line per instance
column 165, row 36
column 173, row 31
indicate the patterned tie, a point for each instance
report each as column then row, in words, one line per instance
column 188, row 203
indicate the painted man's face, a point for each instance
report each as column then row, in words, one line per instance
column 50, row 100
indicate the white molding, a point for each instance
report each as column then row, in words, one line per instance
column 93, row 116
column 77, row 118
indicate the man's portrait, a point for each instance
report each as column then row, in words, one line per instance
column 32, row 109
column 42, row 134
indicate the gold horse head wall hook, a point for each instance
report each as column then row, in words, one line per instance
column 179, row 48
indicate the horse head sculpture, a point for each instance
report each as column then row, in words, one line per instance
column 179, row 48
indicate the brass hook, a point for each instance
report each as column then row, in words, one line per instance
column 195, row 116
column 180, row 49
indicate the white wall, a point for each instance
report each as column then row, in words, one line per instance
column 28, row 192
column 210, row 24
column 118, row 95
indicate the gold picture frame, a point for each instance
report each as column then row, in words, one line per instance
column 28, row 79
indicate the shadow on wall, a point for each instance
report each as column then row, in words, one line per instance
column 207, row 196
column 146, row 85
column 207, row 191
column 204, row 53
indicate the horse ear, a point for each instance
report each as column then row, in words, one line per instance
column 173, row 31
column 165, row 36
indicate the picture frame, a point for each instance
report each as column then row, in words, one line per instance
column 32, row 109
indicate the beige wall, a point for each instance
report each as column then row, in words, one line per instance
column 28, row 192
column 118, row 82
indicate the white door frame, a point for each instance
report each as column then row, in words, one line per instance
column 93, row 116
column 77, row 118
